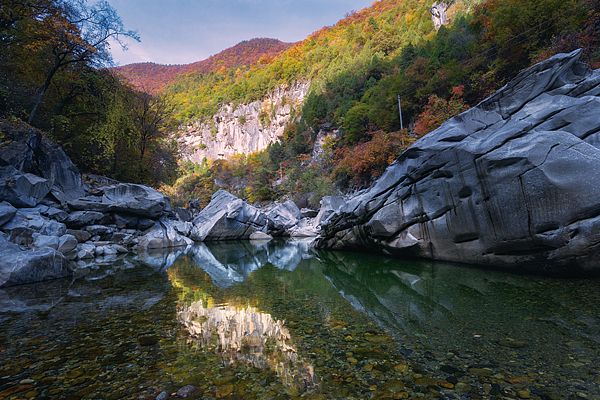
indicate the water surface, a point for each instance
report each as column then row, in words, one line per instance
column 277, row 320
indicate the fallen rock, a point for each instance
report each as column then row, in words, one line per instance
column 99, row 230
column 7, row 211
column 227, row 218
column 308, row 213
column 260, row 236
column 512, row 182
column 186, row 391
column 81, row 236
column 127, row 198
column 80, row 219
column 162, row 236
column 28, row 150
column 27, row 218
column 22, row 189
column 85, row 251
column 305, row 228
column 67, row 243
column 18, row 267
column 40, row 241
column 282, row 217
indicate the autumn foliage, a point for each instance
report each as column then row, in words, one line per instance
column 359, row 165
column 152, row 78
column 438, row 110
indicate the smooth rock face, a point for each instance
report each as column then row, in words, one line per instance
column 282, row 216
column 22, row 189
column 79, row 219
column 513, row 182
column 27, row 150
column 164, row 235
column 7, row 211
column 26, row 266
column 228, row 218
column 126, row 198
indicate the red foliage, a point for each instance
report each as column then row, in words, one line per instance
column 152, row 78
column 361, row 164
column 438, row 110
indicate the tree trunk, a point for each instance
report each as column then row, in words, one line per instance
column 39, row 98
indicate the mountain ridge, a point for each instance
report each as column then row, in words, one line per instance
column 153, row 77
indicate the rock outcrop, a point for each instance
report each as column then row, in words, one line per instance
column 28, row 151
column 125, row 198
column 245, row 128
column 513, row 182
column 18, row 266
column 228, row 218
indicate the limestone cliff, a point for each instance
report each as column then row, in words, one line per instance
column 243, row 129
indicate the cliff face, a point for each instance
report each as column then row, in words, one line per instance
column 512, row 182
column 243, row 129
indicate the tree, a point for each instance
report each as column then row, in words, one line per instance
column 151, row 115
column 438, row 110
column 73, row 32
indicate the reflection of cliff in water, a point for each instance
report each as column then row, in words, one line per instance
column 483, row 314
column 244, row 334
column 229, row 263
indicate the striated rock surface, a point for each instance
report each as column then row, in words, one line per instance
column 243, row 129
column 27, row 150
column 128, row 198
column 512, row 182
column 282, row 217
column 228, row 218
column 19, row 266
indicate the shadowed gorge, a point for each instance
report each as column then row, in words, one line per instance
column 402, row 204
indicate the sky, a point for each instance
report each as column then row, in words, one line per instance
column 184, row 31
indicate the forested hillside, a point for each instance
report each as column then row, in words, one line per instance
column 152, row 78
column 53, row 59
column 53, row 74
column 358, row 68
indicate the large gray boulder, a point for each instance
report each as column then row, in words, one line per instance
column 7, row 211
column 512, row 182
column 228, row 218
column 32, row 219
column 164, row 235
column 18, row 267
column 27, row 150
column 78, row 219
column 282, row 217
column 22, row 189
column 127, row 198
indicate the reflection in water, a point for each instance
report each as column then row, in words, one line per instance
column 229, row 263
column 131, row 327
column 249, row 336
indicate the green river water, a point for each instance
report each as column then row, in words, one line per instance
column 279, row 321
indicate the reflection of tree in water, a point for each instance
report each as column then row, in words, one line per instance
column 249, row 336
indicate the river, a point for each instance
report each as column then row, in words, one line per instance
column 277, row 320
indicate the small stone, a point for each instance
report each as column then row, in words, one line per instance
column 224, row 391
column 462, row 387
column 186, row 391
column 481, row 371
column 162, row 396
column 27, row 382
column 512, row 343
column 446, row 385
column 148, row 340
column 401, row 368
column 524, row 394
